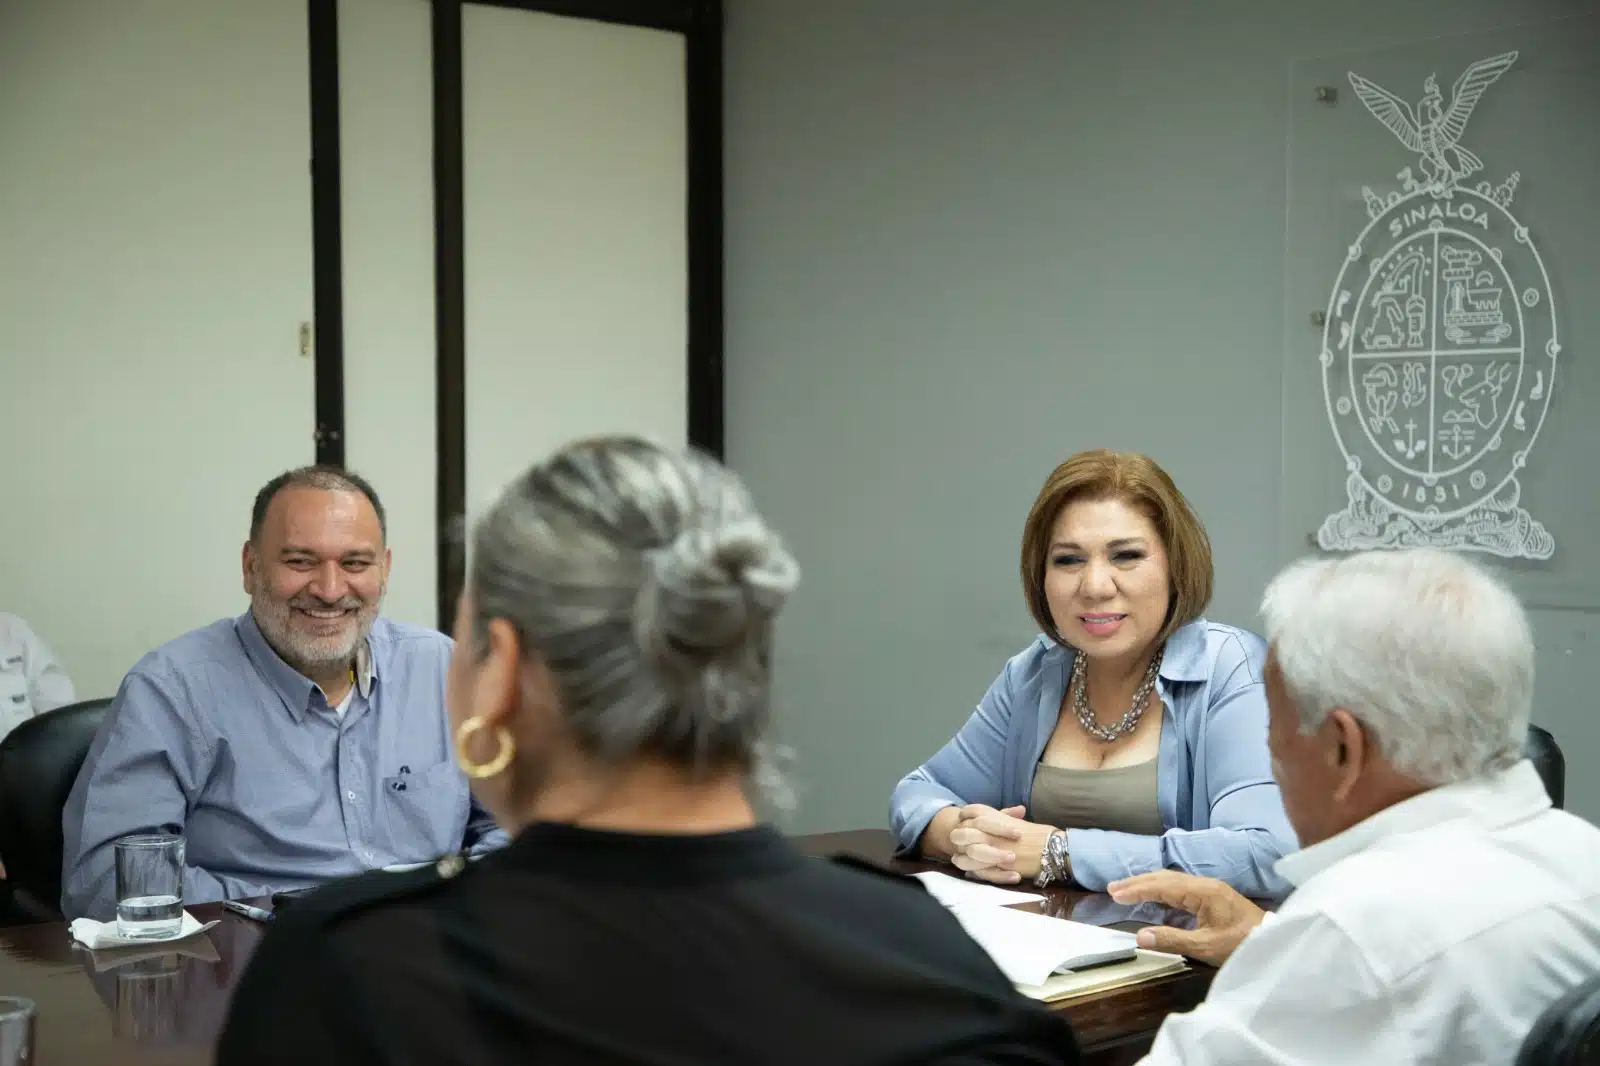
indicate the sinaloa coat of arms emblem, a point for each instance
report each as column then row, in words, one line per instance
column 1439, row 344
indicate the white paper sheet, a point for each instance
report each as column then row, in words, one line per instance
column 956, row 891
column 1028, row 947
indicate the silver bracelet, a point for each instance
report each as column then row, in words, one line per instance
column 1053, row 866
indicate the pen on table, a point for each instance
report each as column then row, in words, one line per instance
column 246, row 910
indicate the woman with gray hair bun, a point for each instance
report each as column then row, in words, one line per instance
column 646, row 585
column 609, row 692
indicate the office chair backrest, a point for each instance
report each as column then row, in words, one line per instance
column 1546, row 757
column 39, row 761
column 1568, row 1032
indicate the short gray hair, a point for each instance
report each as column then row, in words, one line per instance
column 1429, row 651
column 646, row 581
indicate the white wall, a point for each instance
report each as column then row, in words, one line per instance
column 155, row 266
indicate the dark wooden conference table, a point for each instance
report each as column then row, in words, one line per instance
column 166, row 1009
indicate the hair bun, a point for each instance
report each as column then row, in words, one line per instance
column 708, row 592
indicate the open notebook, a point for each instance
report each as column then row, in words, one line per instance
column 1028, row 948
column 1047, row 958
column 1144, row 966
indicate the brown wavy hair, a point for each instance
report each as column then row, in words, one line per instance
column 1139, row 482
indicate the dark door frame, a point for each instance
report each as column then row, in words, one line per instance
column 700, row 22
column 327, row 233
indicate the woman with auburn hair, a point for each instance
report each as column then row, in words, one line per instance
column 1132, row 735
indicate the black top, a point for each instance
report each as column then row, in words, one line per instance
column 577, row 946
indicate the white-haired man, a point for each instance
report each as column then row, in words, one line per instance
column 1441, row 903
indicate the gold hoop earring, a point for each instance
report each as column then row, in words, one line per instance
column 502, row 757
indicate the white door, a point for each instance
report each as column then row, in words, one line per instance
column 386, row 168
column 575, row 170
column 155, row 267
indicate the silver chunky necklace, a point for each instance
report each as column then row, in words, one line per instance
column 1124, row 726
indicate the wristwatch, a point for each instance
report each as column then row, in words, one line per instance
column 1054, row 866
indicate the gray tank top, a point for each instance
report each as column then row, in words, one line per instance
column 1121, row 799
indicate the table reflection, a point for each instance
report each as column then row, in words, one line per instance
column 173, row 998
column 148, row 999
column 1100, row 909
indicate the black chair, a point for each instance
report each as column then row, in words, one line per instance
column 39, row 761
column 1546, row 757
column 1568, row 1032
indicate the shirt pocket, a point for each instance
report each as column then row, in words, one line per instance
column 425, row 813
column 15, row 706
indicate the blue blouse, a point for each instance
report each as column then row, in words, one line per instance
column 1222, row 810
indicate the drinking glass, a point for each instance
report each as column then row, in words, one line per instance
column 16, row 1031
column 150, row 885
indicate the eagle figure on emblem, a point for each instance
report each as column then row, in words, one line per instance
column 1436, row 134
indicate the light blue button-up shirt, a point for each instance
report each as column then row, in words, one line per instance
column 214, row 736
column 1222, row 810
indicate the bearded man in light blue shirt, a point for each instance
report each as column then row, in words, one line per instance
column 302, row 741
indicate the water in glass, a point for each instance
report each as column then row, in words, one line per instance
column 149, row 916
column 149, row 885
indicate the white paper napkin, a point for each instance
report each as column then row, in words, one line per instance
column 97, row 936
column 198, row 947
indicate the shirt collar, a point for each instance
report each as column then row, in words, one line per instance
column 1483, row 802
column 1185, row 657
column 292, row 686
column 366, row 668
column 558, row 850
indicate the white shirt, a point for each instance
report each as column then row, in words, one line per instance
column 31, row 681
column 1436, row 931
